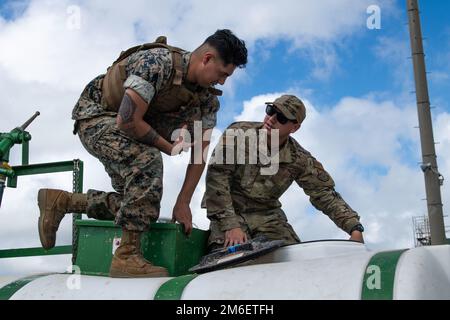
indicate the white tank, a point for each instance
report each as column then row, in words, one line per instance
column 311, row 270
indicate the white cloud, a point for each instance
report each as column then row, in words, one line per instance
column 396, row 53
column 44, row 48
column 254, row 109
column 37, row 265
column 439, row 77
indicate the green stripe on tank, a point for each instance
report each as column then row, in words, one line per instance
column 173, row 289
column 379, row 276
column 10, row 289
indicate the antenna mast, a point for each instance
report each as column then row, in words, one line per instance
column 433, row 179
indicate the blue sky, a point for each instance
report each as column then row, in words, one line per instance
column 360, row 70
column 356, row 84
column 11, row 10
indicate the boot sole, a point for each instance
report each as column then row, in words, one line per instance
column 41, row 199
column 121, row 274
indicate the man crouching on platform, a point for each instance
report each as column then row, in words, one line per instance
column 243, row 190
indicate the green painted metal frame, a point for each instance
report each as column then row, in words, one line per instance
column 76, row 166
column 31, row 252
column 165, row 245
column 25, row 153
column 42, row 168
column 10, row 289
column 173, row 289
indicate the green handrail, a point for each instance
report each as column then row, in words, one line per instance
column 76, row 166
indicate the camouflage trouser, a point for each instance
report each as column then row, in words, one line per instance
column 271, row 223
column 136, row 172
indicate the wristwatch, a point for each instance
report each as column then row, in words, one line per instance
column 359, row 227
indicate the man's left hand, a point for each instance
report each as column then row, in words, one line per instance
column 357, row 236
column 182, row 214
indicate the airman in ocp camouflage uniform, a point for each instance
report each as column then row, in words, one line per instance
column 125, row 118
column 243, row 203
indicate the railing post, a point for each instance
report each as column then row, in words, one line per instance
column 77, row 188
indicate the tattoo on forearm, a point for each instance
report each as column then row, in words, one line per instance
column 127, row 109
column 150, row 137
column 126, row 112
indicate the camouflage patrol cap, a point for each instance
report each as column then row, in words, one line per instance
column 291, row 106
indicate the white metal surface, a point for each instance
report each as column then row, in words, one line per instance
column 5, row 280
column 78, row 287
column 423, row 273
column 316, row 270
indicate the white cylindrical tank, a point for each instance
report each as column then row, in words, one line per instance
column 311, row 270
column 314, row 270
column 80, row 287
column 423, row 273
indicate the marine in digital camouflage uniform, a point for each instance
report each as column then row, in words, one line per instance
column 135, row 168
column 243, row 203
column 126, row 118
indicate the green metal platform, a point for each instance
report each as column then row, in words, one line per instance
column 164, row 245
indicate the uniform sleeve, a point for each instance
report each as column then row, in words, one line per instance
column 209, row 107
column 148, row 71
column 145, row 90
column 218, row 201
column 319, row 186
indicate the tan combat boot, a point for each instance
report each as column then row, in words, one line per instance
column 128, row 261
column 53, row 205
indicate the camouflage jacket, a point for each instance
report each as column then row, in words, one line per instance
column 147, row 72
column 236, row 188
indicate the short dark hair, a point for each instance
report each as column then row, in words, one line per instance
column 230, row 48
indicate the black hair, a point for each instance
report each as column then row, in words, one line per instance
column 230, row 48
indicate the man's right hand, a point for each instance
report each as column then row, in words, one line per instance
column 357, row 236
column 235, row 236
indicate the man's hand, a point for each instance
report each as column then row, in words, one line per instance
column 182, row 214
column 234, row 236
column 357, row 236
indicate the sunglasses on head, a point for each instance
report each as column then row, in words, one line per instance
column 281, row 118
